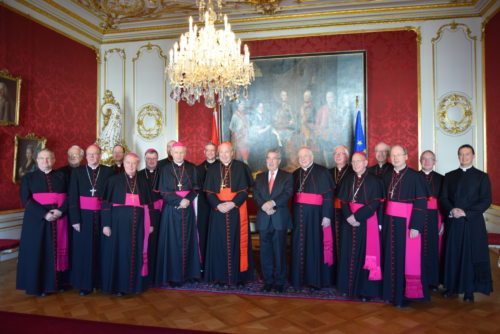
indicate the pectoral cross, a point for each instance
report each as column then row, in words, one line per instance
column 133, row 198
column 92, row 191
column 179, row 185
column 222, row 186
column 391, row 193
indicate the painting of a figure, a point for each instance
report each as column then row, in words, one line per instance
column 295, row 101
column 25, row 151
column 10, row 88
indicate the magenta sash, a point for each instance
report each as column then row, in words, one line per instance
column 309, row 198
column 90, row 203
column 133, row 200
column 158, row 204
column 328, row 245
column 432, row 204
column 317, row 199
column 372, row 251
column 183, row 193
column 413, row 253
column 58, row 199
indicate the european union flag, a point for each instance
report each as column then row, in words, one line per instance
column 359, row 136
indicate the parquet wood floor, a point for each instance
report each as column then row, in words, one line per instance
column 251, row 314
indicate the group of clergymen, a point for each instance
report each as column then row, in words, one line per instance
column 386, row 232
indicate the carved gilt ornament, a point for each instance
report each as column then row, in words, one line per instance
column 454, row 114
column 149, row 122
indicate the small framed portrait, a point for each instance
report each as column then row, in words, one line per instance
column 10, row 95
column 25, row 151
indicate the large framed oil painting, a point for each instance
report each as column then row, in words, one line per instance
column 295, row 101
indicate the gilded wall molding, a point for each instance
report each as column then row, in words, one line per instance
column 149, row 47
column 453, row 26
column 120, row 51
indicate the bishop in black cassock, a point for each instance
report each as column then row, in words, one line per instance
column 85, row 194
column 359, row 272
column 43, row 252
column 203, row 207
column 312, row 236
column 466, row 195
column 340, row 172
column 178, row 249
column 433, row 224
column 402, row 227
column 152, row 175
column 229, row 246
column 125, row 218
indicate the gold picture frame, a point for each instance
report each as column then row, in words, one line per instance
column 25, row 151
column 10, row 96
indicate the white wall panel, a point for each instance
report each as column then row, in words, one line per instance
column 114, row 80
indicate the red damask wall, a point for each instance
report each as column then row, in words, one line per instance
column 492, row 65
column 392, row 87
column 58, row 93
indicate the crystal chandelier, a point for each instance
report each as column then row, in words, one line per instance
column 208, row 62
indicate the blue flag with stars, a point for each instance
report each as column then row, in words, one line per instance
column 359, row 136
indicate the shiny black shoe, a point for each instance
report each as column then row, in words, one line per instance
column 42, row 294
column 85, row 292
column 267, row 288
column 469, row 297
column 279, row 288
column 365, row 299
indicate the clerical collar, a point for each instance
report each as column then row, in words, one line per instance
column 93, row 168
column 47, row 172
column 380, row 165
column 211, row 161
column 360, row 176
column 118, row 165
column 340, row 168
column 464, row 169
column 227, row 163
column 399, row 171
column 305, row 169
column 178, row 163
column 152, row 170
column 427, row 172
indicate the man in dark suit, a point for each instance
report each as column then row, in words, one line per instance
column 272, row 190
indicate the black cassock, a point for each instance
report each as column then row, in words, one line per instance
column 123, row 253
column 85, row 194
column 430, row 234
column 67, row 171
column 223, row 242
column 386, row 168
column 405, row 187
column 203, row 213
column 36, row 266
column 467, row 262
column 338, row 177
column 307, row 264
column 178, row 257
column 153, row 179
column 352, row 279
